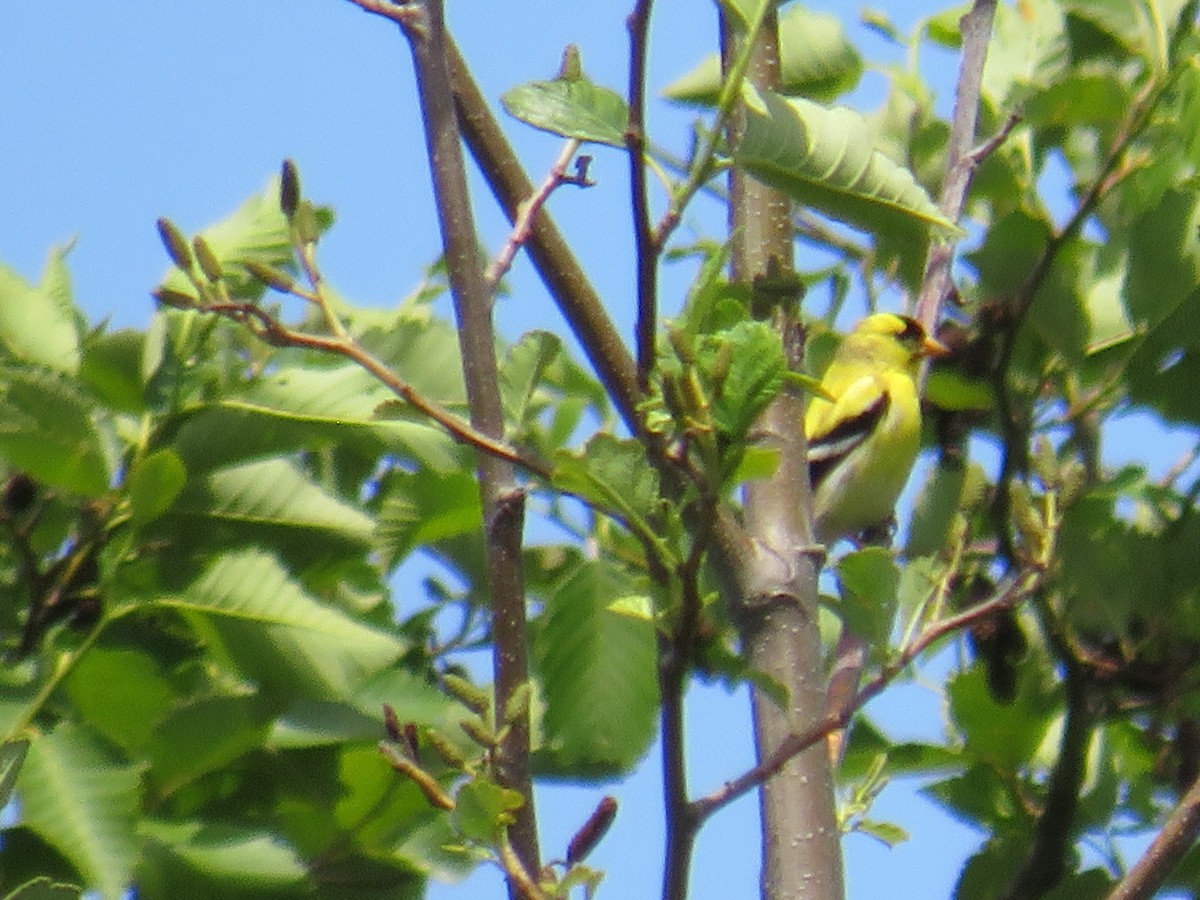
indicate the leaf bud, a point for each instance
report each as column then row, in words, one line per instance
column 593, row 830
column 175, row 243
column 469, row 695
column 209, row 264
column 478, row 732
column 270, row 276
column 289, row 188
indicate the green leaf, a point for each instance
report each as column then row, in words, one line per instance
column 112, row 369
column 277, row 634
column 39, row 324
column 597, row 671
column 937, row 504
column 204, row 734
column 46, row 431
column 611, row 474
column 571, row 107
column 816, row 59
column 825, row 158
column 300, row 408
column 1028, row 52
column 483, row 809
column 522, row 370
column 121, row 693
column 83, row 801
column 257, row 230
column 250, row 858
column 890, row 834
column 1005, row 735
column 756, row 372
column 272, row 494
column 1143, row 28
column 154, row 483
column 422, row 509
column 1164, row 258
column 869, row 579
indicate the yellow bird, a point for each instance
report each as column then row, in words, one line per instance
column 862, row 444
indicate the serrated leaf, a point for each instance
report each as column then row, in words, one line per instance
column 571, row 108
column 46, row 431
column 280, row 636
column 154, row 482
column 825, row 158
column 869, row 579
column 257, row 230
column 612, row 475
column 273, row 494
column 522, row 369
column 251, row 858
column 298, row 408
column 483, row 809
column 39, row 323
column 83, row 802
column 204, row 734
column 597, row 673
column 422, row 509
column 816, row 61
column 756, row 372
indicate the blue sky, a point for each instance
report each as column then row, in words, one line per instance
column 115, row 114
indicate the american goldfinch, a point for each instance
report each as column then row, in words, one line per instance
column 862, row 443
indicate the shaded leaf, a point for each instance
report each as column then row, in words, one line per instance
column 597, row 671
column 83, row 801
column 279, row 635
column 825, row 158
column 46, row 431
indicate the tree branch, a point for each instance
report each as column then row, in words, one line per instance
column 503, row 499
column 646, row 248
column 1177, row 837
column 840, row 712
column 961, row 159
column 578, row 301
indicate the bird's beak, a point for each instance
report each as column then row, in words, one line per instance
column 933, row 348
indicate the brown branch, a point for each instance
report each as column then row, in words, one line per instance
column 270, row 330
column 1177, row 837
column 1054, row 833
column 839, row 716
column 647, row 249
column 961, row 160
column 503, row 500
column 528, row 210
column 552, row 257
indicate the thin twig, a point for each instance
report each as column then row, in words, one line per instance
column 961, row 161
column 551, row 255
column 270, row 330
column 529, row 209
column 840, row 715
column 1177, row 837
